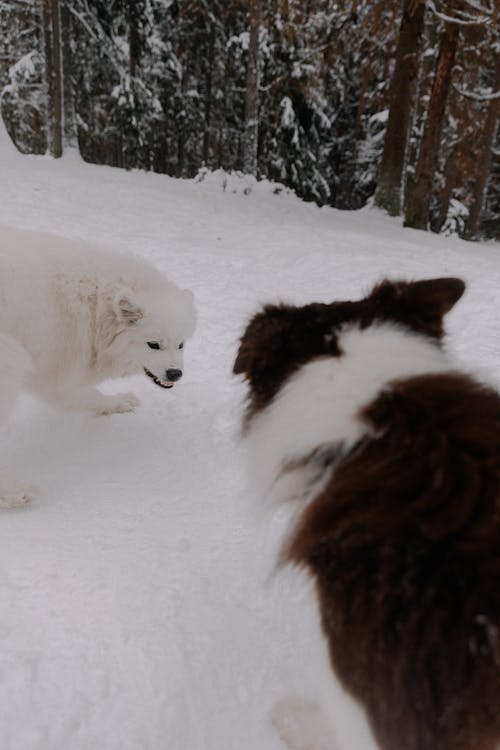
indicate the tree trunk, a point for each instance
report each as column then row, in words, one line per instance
column 134, row 43
column 69, row 111
column 417, row 208
column 207, row 140
column 484, row 163
column 252, row 91
column 53, row 73
column 57, row 94
column 47, row 49
column 389, row 188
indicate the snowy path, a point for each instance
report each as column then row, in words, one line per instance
column 137, row 610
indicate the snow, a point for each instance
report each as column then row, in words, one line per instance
column 139, row 607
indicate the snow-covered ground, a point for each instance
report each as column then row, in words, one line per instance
column 138, row 610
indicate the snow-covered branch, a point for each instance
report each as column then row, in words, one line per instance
column 463, row 18
column 480, row 8
column 84, row 23
column 481, row 97
column 95, row 36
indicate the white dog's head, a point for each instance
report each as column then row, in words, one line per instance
column 150, row 332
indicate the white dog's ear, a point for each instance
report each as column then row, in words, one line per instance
column 126, row 308
column 189, row 294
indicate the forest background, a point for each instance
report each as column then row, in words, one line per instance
column 346, row 102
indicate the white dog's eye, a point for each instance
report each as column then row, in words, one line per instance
column 153, row 344
column 181, row 346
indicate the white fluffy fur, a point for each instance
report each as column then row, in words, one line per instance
column 72, row 316
column 319, row 406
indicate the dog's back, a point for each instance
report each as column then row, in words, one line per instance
column 400, row 526
column 404, row 544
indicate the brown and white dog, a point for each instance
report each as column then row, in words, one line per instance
column 393, row 456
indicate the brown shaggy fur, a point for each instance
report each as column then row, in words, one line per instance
column 282, row 338
column 404, row 540
column 404, row 543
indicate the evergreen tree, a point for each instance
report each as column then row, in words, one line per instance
column 324, row 96
column 22, row 95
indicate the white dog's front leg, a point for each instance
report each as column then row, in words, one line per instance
column 93, row 401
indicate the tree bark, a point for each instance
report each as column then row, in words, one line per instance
column 252, row 91
column 47, row 49
column 133, row 38
column 484, row 163
column 57, row 94
column 68, row 93
column 53, row 72
column 207, row 140
column 417, row 208
column 389, row 186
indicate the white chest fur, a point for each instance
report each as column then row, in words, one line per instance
column 318, row 407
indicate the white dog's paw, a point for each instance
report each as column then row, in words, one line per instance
column 118, row 404
column 17, row 495
column 302, row 725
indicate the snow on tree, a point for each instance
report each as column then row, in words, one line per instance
column 339, row 100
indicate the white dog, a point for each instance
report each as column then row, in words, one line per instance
column 72, row 316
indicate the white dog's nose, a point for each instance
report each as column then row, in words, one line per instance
column 173, row 375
